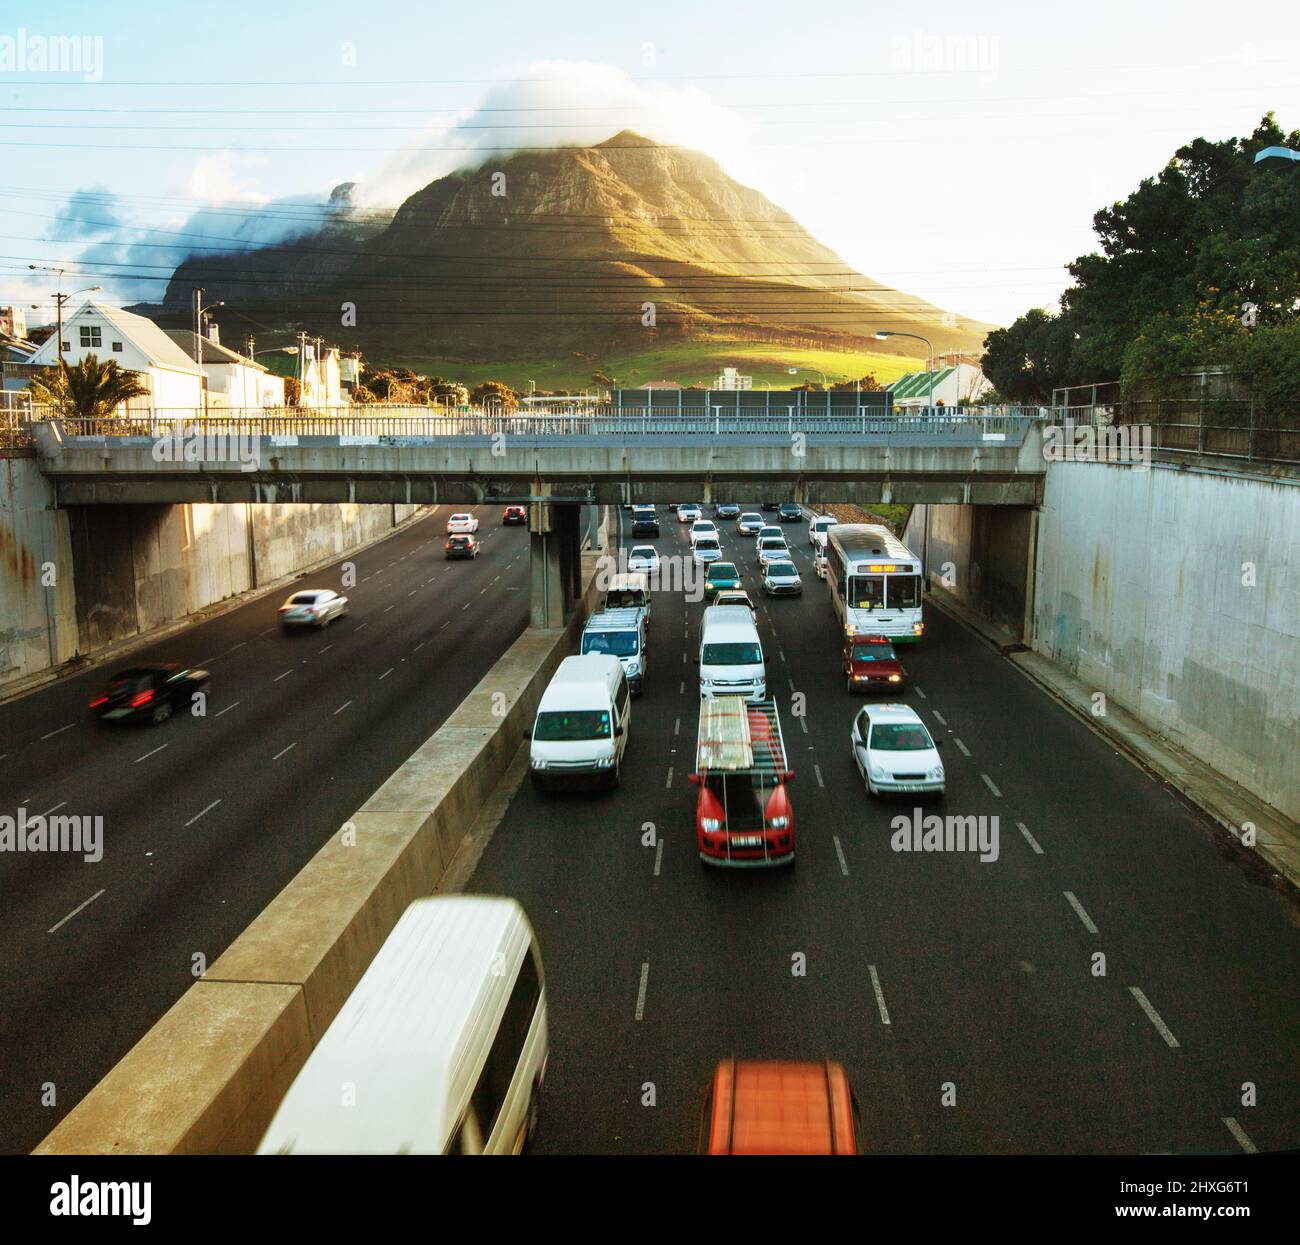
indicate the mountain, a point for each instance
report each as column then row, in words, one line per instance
column 577, row 250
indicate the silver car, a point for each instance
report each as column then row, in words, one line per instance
column 313, row 607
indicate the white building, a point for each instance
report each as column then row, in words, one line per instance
column 321, row 377
column 13, row 321
column 233, row 379
column 731, row 379
column 173, row 379
column 946, row 386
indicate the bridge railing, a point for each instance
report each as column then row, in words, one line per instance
column 702, row 421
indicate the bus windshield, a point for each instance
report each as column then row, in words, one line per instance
column 738, row 654
column 579, row 724
column 904, row 591
column 866, row 592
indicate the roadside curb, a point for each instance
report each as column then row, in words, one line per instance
column 1224, row 802
column 134, row 643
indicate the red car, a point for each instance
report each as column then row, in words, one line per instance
column 742, row 815
column 870, row 664
column 514, row 515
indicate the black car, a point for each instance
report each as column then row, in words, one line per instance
column 148, row 693
column 461, row 546
column 788, row 512
column 768, row 505
column 645, row 525
column 726, row 511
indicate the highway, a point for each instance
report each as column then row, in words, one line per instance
column 965, row 999
column 206, row 819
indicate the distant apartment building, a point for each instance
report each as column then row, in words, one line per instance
column 730, row 378
column 13, row 322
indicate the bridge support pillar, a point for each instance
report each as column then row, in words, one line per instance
column 556, row 557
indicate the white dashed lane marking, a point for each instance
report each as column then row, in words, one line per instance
column 147, row 755
column 75, row 910
column 1080, row 913
column 992, row 786
column 282, row 751
column 879, row 993
column 196, row 816
column 640, row 994
column 1154, row 1017
column 1029, row 838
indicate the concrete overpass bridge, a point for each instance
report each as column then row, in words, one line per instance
column 556, row 462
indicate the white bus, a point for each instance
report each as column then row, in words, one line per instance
column 875, row 582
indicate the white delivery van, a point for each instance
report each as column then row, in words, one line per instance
column 581, row 727
column 440, row 1049
column 621, row 633
column 731, row 655
column 629, row 591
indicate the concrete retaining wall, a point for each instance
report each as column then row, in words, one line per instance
column 207, row 1078
column 1176, row 594
column 120, row 571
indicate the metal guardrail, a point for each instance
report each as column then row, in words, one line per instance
column 15, row 432
column 940, row 424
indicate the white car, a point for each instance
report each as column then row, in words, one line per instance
column 750, row 523
column 818, row 526
column 705, row 550
column 688, row 513
column 781, row 579
column 462, row 525
column 703, row 527
column 894, row 752
column 772, row 549
column 768, row 529
column 643, row 558
column 313, row 607
column 820, row 563
column 735, row 596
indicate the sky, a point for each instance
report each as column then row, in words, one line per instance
column 955, row 151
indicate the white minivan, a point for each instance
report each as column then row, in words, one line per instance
column 731, row 655
column 580, row 732
column 440, row 1049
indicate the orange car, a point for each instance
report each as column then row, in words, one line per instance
column 773, row 1107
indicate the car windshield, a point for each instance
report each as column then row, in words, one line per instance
column 900, row 737
column 823, row 525
column 770, row 543
column 738, row 653
column 644, row 551
column 750, row 517
column 574, row 725
column 873, row 652
column 706, row 544
column 620, row 643
column 782, row 570
column 722, row 570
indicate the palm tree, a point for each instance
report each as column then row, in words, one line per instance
column 87, row 390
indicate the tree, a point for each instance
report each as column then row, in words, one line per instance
column 87, row 390
column 494, row 393
column 292, row 391
column 1035, row 355
column 603, row 379
column 865, row 384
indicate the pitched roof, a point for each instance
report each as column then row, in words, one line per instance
column 213, row 352
column 144, row 334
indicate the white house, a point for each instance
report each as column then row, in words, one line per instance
column 233, row 379
column 730, row 378
column 173, row 379
column 950, row 386
column 321, row 375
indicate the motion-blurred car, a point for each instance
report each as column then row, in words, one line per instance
column 721, row 575
column 789, row 512
column 750, row 523
column 688, row 513
column 148, row 693
column 728, row 510
column 781, row 579
column 462, row 523
column 818, row 527
column 465, row 546
column 703, row 527
column 514, row 515
column 706, row 549
column 643, row 558
column 894, row 752
column 770, row 1107
column 313, row 607
column 772, row 549
column 821, row 563
column 871, row 665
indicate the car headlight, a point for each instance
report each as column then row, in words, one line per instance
column 877, row 772
column 937, row 773
column 895, row 678
column 539, row 765
column 710, row 825
column 634, row 667
column 778, row 823
column 917, row 628
column 604, row 762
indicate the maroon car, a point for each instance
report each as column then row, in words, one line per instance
column 870, row 665
column 514, row 515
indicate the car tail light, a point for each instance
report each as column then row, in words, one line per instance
column 141, row 698
column 99, row 700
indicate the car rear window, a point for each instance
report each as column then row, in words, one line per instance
column 303, row 598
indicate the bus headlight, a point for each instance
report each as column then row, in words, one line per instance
column 917, row 628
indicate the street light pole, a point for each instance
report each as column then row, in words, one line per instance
column 59, row 299
column 881, row 334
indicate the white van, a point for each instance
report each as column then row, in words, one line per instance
column 440, row 1049
column 731, row 655
column 622, row 633
column 581, row 727
column 629, row 591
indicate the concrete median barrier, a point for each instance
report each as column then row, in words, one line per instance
column 208, row 1076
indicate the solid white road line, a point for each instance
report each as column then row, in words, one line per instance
column 282, row 751
column 75, row 910
column 227, row 709
column 1082, row 915
column 839, row 851
column 1240, row 1134
column 60, row 731
column 965, row 751
column 196, row 816
column 340, row 709
column 147, row 755
column 992, row 786
column 640, row 994
column 659, row 856
column 1029, row 838
column 1153, row 1016
column 880, row 994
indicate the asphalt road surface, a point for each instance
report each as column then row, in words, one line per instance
column 206, row 819
column 965, row 999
